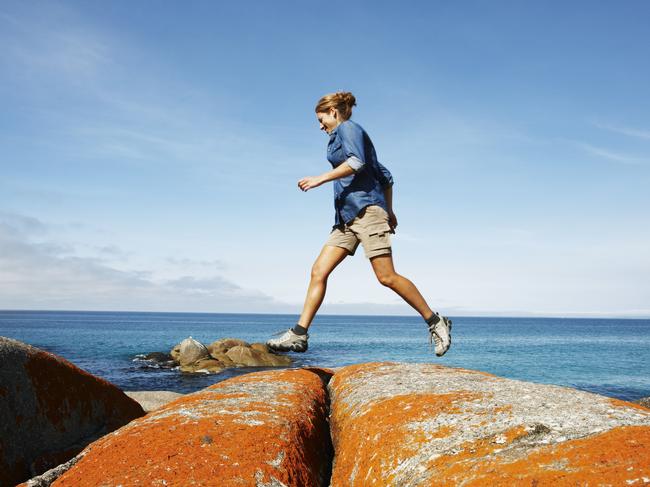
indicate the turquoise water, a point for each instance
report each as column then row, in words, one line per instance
column 609, row 357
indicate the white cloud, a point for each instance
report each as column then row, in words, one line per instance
column 39, row 271
column 45, row 274
column 186, row 263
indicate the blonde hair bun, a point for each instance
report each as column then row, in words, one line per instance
column 342, row 101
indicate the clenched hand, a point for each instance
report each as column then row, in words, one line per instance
column 310, row 182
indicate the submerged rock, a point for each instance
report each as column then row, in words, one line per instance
column 157, row 360
column 50, row 409
column 265, row 428
column 422, row 424
column 160, row 357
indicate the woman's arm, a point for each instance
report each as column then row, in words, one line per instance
column 340, row 171
column 388, row 196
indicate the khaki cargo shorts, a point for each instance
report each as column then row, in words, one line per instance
column 370, row 228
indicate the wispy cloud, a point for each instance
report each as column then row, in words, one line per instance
column 124, row 112
column 21, row 225
column 62, row 49
column 619, row 157
column 629, row 131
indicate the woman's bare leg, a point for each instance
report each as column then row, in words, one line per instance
column 385, row 272
column 325, row 263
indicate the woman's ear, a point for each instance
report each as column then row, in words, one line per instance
column 333, row 112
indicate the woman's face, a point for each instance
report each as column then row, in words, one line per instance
column 328, row 120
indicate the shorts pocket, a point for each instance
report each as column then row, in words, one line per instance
column 378, row 236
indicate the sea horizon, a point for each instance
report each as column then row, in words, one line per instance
column 577, row 316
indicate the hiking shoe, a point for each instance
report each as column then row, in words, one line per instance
column 440, row 333
column 288, row 342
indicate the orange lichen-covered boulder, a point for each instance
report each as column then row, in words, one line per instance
column 260, row 429
column 397, row 424
column 50, row 410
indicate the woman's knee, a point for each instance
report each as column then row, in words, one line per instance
column 319, row 273
column 387, row 279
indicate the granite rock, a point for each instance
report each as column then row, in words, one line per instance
column 192, row 351
column 225, row 344
column 194, row 357
column 206, row 366
column 261, row 429
column 50, row 410
column 252, row 357
column 396, row 424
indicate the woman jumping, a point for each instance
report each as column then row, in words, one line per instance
column 363, row 200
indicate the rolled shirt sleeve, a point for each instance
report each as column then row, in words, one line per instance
column 355, row 163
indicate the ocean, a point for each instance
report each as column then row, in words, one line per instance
column 605, row 356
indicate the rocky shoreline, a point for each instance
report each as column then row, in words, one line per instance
column 192, row 356
column 387, row 424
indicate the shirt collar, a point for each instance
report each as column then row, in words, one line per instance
column 333, row 132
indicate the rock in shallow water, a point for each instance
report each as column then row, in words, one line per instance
column 194, row 357
column 161, row 357
column 206, row 366
column 192, row 351
column 223, row 345
column 252, row 357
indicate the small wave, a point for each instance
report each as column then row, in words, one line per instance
column 152, row 366
column 150, row 363
column 203, row 371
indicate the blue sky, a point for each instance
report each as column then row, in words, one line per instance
column 151, row 153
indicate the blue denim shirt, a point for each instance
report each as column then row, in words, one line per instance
column 349, row 142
